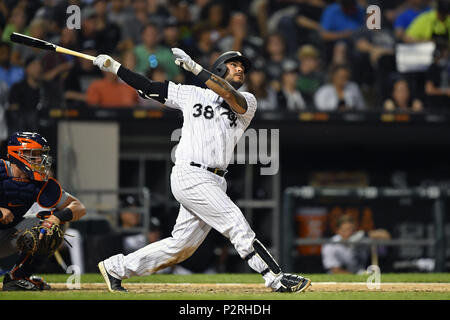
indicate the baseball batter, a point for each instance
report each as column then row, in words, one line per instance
column 213, row 121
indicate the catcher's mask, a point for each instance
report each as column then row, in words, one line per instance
column 219, row 66
column 30, row 152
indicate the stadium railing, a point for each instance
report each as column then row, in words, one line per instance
column 437, row 195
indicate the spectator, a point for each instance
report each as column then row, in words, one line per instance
column 21, row 53
column 390, row 10
column 151, row 53
column 401, row 98
column 4, row 134
column 203, row 45
column 433, row 25
column 275, row 54
column 181, row 13
column 404, row 19
column 310, row 76
column 289, row 98
column 239, row 39
column 9, row 73
column 158, row 11
column 24, row 98
column 118, row 13
column 259, row 12
column 53, row 12
column 338, row 23
column 196, row 8
column 339, row 258
column 265, row 95
column 107, row 34
column 96, row 29
column 79, row 79
column 87, row 34
column 171, row 34
column 129, row 59
column 17, row 22
column 55, row 68
column 215, row 15
column 374, row 59
column 302, row 24
column 437, row 88
column 4, row 13
column 109, row 92
column 340, row 94
column 134, row 23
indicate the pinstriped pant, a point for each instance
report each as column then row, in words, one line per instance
column 204, row 204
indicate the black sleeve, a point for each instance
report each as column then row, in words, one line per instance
column 146, row 88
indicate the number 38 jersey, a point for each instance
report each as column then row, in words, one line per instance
column 210, row 129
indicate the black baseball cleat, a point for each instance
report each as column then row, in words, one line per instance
column 114, row 285
column 33, row 283
column 293, row 283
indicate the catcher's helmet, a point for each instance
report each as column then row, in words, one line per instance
column 30, row 152
column 219, row 67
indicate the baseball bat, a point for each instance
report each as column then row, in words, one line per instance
column 45, row 45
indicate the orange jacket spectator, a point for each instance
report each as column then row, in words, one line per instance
column 109, row 92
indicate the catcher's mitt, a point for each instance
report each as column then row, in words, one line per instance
column 28, row 240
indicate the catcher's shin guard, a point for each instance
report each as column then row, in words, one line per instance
column 25, row 265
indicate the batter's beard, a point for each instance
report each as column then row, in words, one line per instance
column 236, row 84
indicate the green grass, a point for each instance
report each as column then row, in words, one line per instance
column 256, row 278
column 236, row 278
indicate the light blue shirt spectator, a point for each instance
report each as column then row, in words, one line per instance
column 335, row 19
column 11, row 75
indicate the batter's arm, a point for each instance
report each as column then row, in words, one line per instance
column 219, row 85
column 146, row 88
column 224, row 89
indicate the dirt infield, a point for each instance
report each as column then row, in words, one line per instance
column 259, row 288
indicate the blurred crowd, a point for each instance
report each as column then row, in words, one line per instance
column 306, row 54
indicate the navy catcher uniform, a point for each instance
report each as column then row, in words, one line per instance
column 24, row 181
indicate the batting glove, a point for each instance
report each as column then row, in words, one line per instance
column 106, row 63
column 183, row 60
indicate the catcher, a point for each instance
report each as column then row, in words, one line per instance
column 24, row 180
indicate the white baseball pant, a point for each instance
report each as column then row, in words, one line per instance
column 204, row 204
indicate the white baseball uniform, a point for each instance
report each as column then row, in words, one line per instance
column 209, row 134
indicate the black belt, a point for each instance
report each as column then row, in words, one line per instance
column 217, row 171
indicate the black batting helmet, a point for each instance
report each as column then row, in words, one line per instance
column 219, row 67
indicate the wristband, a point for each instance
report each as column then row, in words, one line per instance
column 204, row 75
column 197, row 69
column 64, row 215
column 115, row 66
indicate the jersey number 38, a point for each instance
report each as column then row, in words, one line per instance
column 208, row 111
